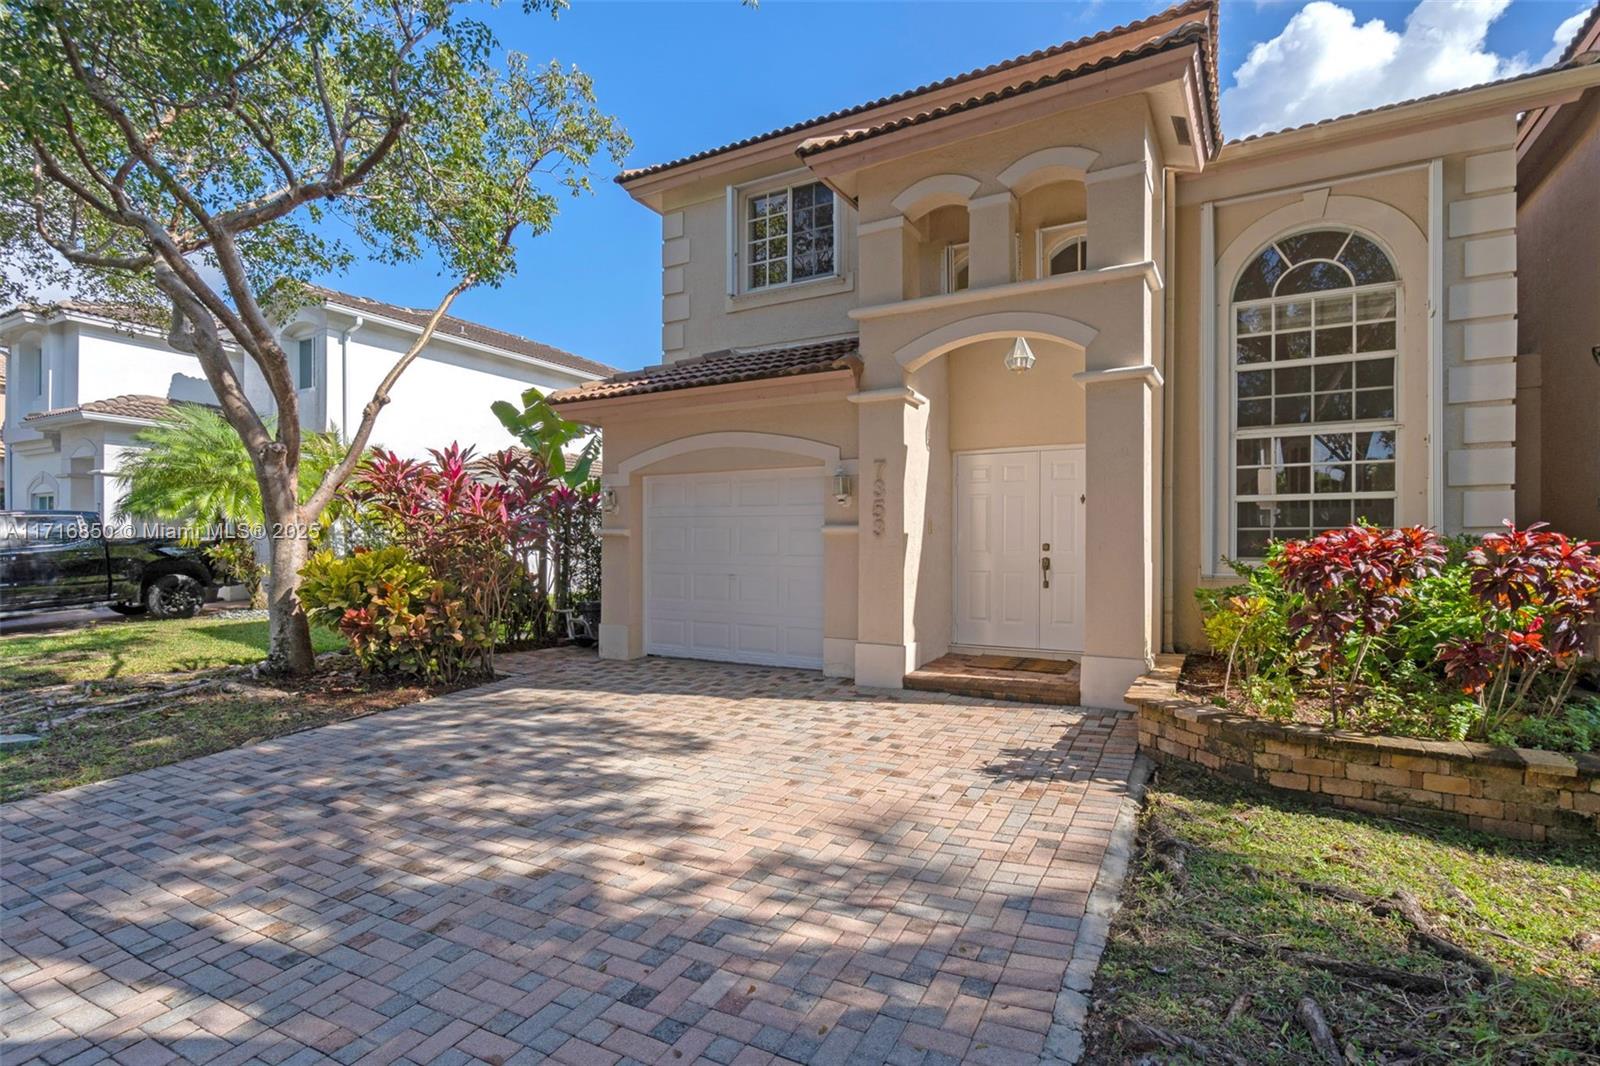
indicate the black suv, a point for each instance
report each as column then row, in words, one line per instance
column 54, row 560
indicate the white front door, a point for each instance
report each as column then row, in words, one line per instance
column 1019, row 549
column 733, row 566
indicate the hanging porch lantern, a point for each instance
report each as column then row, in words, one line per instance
column 1020, row 358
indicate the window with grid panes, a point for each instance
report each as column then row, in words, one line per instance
column 1314, row 415
column 789, row 235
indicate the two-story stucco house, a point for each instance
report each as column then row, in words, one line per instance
column 86, row 378
column 1018, row 359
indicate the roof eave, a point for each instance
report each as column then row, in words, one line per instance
column 651, row 184
column 78, row 417
column 797, row 386
column 366, row 314
column 1135, row 75
column 1543, row 90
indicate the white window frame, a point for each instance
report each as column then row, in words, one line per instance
column 33, row 367
column 1054, row 238
column 739, row 197
column 954, row 253
column 299, row 357
column 42, row 501
column 1228, row 362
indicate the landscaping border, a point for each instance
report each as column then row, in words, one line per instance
column 1514, row 792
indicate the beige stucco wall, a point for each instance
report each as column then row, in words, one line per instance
column 1558, row 222
column 991, row 408
column 699, row 315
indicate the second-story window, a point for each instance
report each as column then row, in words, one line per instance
column 306, row 371
column 32, row 372
column 789, row 235
column 1063, row 249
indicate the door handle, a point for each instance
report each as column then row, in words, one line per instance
column 1044, row 567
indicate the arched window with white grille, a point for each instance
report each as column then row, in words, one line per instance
column 1314, row 349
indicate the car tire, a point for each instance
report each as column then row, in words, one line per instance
column 174, row 596
column 128, row 608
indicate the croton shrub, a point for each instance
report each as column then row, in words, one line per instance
column 399, row 618
column 1399, row 631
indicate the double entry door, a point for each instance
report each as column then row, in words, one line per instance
column 1019, row 549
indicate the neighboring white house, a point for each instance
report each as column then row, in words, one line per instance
column 86, row 378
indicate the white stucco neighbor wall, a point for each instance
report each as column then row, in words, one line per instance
column 443, row 396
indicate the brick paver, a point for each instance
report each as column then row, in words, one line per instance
column 588, row 862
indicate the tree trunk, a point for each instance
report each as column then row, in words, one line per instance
column 288, row 632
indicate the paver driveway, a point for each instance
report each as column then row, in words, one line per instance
column 655, row 861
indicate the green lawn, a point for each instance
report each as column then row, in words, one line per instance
column 111, row 650
column 1176, row 961
column 98, row 746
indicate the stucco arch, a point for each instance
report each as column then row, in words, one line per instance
column 932, row 192
column 1034, row 325
column 814, row 450
column 44, row 483
column 1062, row 163
column 85, row 449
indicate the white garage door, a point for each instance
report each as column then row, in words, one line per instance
column 733, row 566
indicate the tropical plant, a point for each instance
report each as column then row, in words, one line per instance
column 186, row 159
column 546, row 434
column 469, row 522
column 1247, row 622
column 1538, row 593
column 193, row 469
column 234, row 559
column 398, row 617
column 1351, row 584
column 575, row 543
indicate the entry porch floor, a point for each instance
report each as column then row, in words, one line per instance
column 1000, row 677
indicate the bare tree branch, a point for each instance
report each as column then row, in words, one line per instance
column 336, row 475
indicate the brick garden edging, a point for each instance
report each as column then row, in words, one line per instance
column 1513, row 792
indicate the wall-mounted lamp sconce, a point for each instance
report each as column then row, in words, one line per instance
column 608, row 501
column 843, row 487
column 1020, row 358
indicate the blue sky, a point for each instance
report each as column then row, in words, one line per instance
column 686, row 76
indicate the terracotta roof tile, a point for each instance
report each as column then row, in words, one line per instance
column 1186, row 8
column 134, row 405
column 1188, row 33
column 1526, row 75
column 460, row 328
column 719, row 368
column 1571, row 51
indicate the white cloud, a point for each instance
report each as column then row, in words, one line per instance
column 1325, row 64
column 1563, row 36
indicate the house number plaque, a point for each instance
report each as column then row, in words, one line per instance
column 880, row 501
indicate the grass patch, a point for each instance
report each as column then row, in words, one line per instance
column 103, row 651
column 112, row 743
column 1525, row 908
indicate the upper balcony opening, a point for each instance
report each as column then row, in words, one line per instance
column 1052, row 230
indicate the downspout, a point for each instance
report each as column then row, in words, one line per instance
column 1169, row 188
column 344, row 373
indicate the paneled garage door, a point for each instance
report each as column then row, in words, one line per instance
column 733, row 566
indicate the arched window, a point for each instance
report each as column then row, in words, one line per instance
column 1314, row 351
column 1063, row 249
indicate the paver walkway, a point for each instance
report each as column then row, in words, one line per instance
column 596, row 862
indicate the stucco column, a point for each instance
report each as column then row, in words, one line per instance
column 1120, row 204
column 883, row 652
column 1119, row 559
column 991, row 239
column 622, row 563
column 883, row 251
